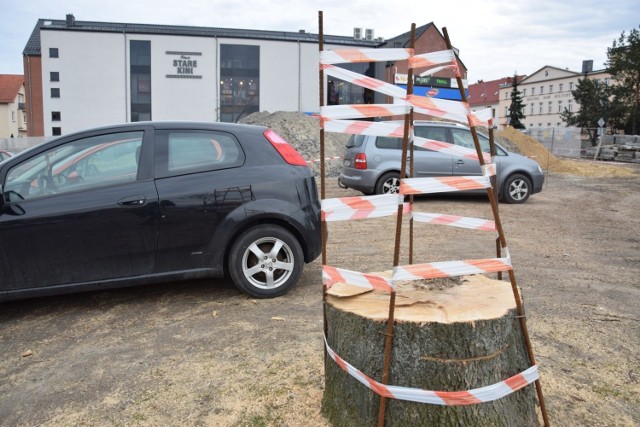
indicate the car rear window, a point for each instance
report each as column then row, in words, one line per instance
column 198, row 151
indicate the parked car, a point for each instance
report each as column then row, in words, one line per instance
column 372, row 164
column 5, row 154
column 152, row 202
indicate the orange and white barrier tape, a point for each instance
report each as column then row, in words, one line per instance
column 326, row 158
column 333, row 275
column 436, row 270
column 432, row 58
column 482, row 117
column 365, row 81
column 364, row 55
column 360, row 207
column 361, row 127
column 443, row 108
column 445, row 147
column 358, row 111
column 489, row 169
column 445, row 398
column 443, row 184
column 454, row 221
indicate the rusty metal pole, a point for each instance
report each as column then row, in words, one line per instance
column 494, row 185
column 503, row 244
column 396, row 250
column 322, row 178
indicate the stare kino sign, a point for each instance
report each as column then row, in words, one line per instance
column 184, row 64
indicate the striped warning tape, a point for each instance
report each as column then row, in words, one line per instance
column 326, row 158
column 364, row 55
column 436, row 270
column 446, row 398
column 454, row 221
column 445, row 147
column 361, row 127
column 489, row 169
column 365, row 81
column 431, row 59
column 360, row 207
column 333, row 275
column 357, row 111
column 443, row 184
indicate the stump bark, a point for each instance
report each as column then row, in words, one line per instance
column 448, row 337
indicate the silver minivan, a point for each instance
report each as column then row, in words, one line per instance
column 372, row 163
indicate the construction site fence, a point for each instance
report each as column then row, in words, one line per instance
column 560, row 141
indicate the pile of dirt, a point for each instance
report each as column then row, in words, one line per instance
column 530, row 147
column 303, row 132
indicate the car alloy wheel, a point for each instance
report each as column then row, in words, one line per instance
column 517, row 189
column 265, row 261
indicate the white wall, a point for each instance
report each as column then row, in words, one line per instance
column 183, row 98
column 93, row 89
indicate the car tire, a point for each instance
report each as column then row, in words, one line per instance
column 257, row 270
column 389, row 183
column 516, row 189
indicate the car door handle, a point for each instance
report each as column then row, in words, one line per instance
column 132, row 201
column 460, row 162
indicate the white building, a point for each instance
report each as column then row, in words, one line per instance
column 13, row 119
column 82, row 74
column 545, row 94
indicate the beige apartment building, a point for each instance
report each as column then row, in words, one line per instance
column 545, row 94
column 13, row 118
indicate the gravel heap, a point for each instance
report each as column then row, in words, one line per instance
column 303, row 133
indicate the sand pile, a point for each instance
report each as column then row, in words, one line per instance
column 530, row 147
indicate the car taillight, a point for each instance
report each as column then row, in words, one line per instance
column 288, row 153
column 360, row 161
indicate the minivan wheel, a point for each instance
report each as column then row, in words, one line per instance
column 389, row 183
column 265, row 261
column 517, row 189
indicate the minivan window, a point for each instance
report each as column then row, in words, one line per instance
column 463, row 138
column 355, row 141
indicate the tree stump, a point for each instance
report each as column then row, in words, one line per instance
column 450, row 335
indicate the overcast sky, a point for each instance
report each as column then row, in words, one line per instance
column 495, row 37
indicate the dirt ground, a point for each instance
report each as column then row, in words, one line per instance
column 200, row 353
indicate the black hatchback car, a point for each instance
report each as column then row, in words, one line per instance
column 151, row 202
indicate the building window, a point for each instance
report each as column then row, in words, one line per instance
column 56, row 131
column 506, row 95
column 550, row 107
column 54, row 76
column 540, row 109
column 55, row 116
column 53, row 52
column 550, row 88
column 560, row 87
column 606, row 81
column 524, row 92
column 570, row 108
column 541, row 90
column 533, row 91
column 140, row 70
column 570, row 85
column 240, row 81
column 55, row 92
column 531, row 109
column 13, row 116
column 506, row 111
column 559, row 106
